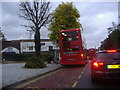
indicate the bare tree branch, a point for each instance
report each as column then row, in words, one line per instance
column 38, row 14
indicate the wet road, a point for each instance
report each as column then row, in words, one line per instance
column 68, row 77
column 62, row 78
column 85, row 81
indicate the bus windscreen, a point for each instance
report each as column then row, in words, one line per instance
column 70, row 36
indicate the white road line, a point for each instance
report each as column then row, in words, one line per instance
column 79, row 77
column 82, row 72
column 74, row 84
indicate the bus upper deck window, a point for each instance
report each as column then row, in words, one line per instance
column 70, row 36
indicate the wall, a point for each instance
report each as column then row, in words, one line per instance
column 29, row 46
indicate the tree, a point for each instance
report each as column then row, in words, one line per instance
column 113, row 40
column 38, row 14
column 65, row 16
column 0, row 33
column 2, row 36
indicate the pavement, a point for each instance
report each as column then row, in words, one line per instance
column 14, row 73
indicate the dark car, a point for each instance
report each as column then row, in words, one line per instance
column 106, row 65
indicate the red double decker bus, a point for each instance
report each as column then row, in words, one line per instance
column 71, row 48
column 91, row 53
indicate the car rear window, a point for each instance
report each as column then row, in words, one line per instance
column 108, row 56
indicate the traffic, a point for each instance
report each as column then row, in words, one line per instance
column 81, row 68
column 67, row 44
column 71, row 48
column 105, row 64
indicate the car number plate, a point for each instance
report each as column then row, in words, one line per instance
column 113, row 66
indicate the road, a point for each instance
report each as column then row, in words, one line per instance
column 85, row 81
column 67, row 77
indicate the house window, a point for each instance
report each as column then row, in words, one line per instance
column 30, row 47
column 50, row 48
column 42, row 43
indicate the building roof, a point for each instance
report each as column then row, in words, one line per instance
column 32, row 40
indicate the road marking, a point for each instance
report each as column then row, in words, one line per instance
column 74, row 84
column 29, row 88
column 79, row 77
column 82, row 72
column 36, row 79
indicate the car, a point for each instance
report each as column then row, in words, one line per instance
column 106, row 65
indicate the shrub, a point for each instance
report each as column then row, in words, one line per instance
column 47, row 57
column 35, row 62
column 22, row 57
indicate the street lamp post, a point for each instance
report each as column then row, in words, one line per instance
column 0, row 46
column 55, row 52
column 118, row 26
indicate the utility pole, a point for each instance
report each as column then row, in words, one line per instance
column 0, row 33
column 118, row 12
column 111, row 29
column 0, row 45
column 55, row 52
column 118, row 16
column 114, row 26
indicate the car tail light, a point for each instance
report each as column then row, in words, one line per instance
column 111, row 51
column 60, row 58
column 97, row 64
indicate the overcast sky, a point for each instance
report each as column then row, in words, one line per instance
column 95, row 18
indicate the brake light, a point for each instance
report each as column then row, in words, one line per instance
column 60, row 58
column 111, row 51
column 97, row 64
column 82, row 55
column 101, row 64
column 76, row 36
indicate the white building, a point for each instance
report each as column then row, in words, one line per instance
column 27, row 45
